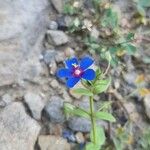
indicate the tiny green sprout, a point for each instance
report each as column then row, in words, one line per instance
column 94, row 82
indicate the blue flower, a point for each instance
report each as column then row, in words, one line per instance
column 76, row 71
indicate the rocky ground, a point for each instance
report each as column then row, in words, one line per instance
column 34, row 42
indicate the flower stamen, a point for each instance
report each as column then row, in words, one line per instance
column 74, row 65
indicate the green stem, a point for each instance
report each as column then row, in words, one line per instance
column 93, row 120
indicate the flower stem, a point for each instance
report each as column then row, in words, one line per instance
column 93, row 120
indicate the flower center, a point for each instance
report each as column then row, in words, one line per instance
column 77, row 71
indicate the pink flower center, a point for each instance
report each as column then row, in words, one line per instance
column 77, row 71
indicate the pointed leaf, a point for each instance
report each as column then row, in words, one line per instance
column 105, row 116
column 73, row 110
column 83, row 91
column 141, row 10
column 81, row 113
column 100, row 136
column 101, row 85
column 105, row 105
column 131, row 49
column 144, row 3
column 92, row 146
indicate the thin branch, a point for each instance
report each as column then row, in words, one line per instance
column 107, row 69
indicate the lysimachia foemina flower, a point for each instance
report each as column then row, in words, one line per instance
column 75, row 71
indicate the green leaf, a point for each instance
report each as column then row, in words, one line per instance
column 108, row 56
column 100, row 136
column 144, row 3
column 115, row 61
column 92, row 146
column 94, row 46
column 110, row 19
column 98, row 72
column 83, row 91
column 69, row 9
column 76, row 22
column 105, row 116
column 141, row 10
column 79, row 112
column 131, row 49
column 101, row 85
column 113, row 50
column 105, row 105
column 118, row 144
column 73, row 110
column 130, row 36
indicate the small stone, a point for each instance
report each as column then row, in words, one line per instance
column 35, row 104
column 116, row 83
column 79, row 124
column 55, row 129
column 87, row 24
column 69, row 135
column 79, row 137
column 130, row 78
column 68, row 20
column 58, row 4
column 60, row 57
column 95, row 33
column 96, row 98
column 125, row 23
column 65, row 95
column 47, row 45
column 77, row 96
column 147, row 105
column 31, row 70
column 48, row 142
column 129, row 64
column 69, row 52
column 54, row 84
column 53, row 67
column 53, row 25
column 54, row 110
column 49, row 56
column 45, row 87
column 131, row 108
column 84, row 104
column 57, row 37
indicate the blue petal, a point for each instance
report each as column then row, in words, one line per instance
column 63, row 73
column 86, row 62
column 70, row 62
column 72, row 81
column 89, row 74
